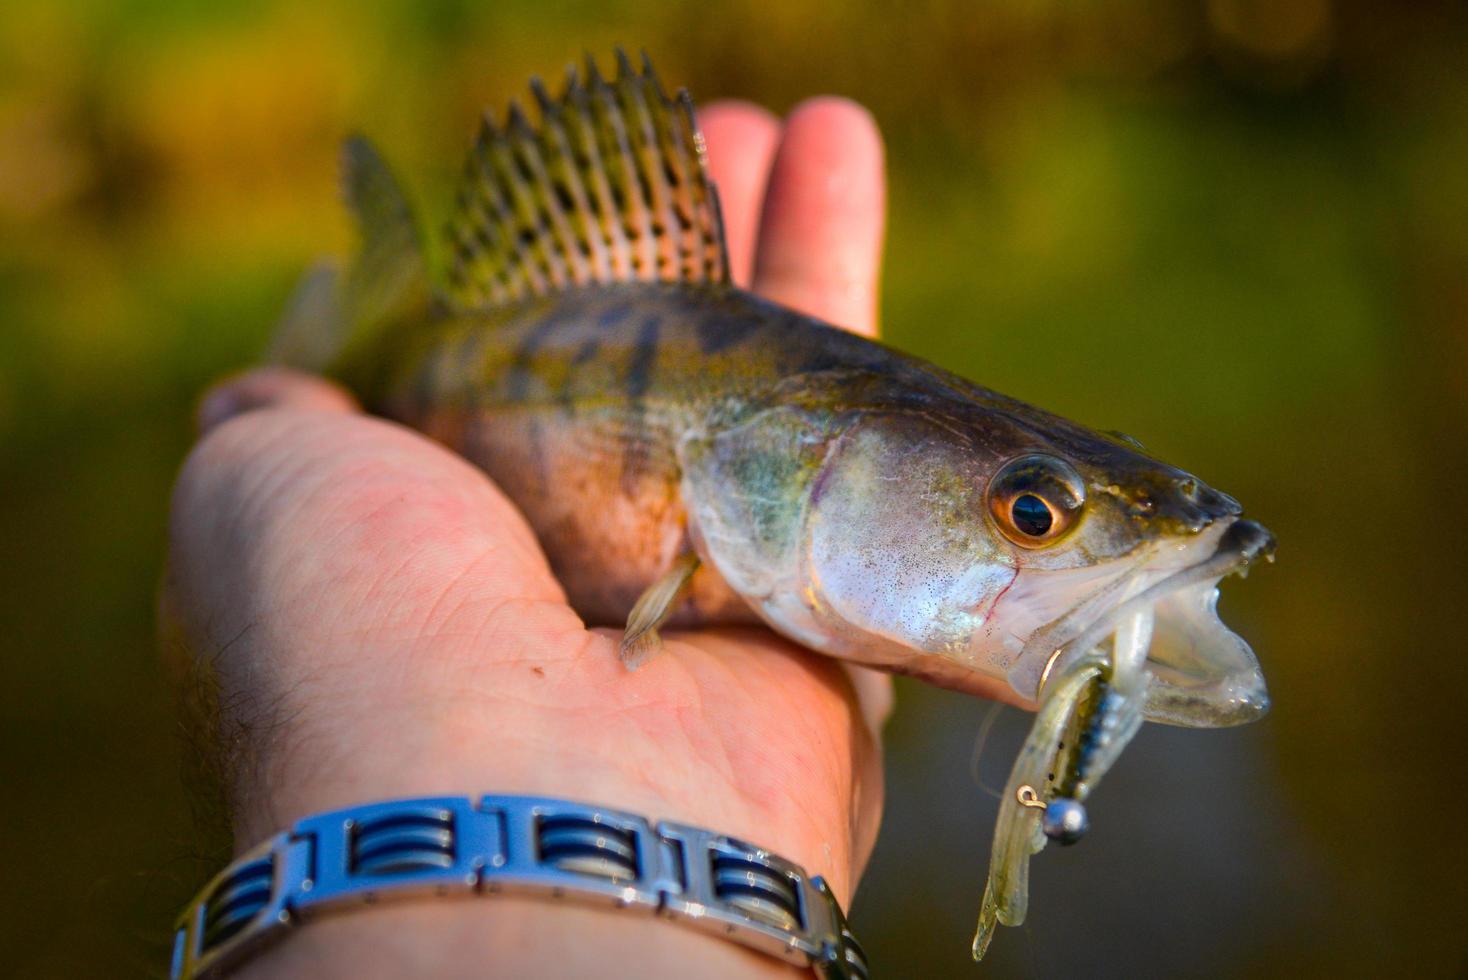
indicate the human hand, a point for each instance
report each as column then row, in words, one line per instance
column 379, row 622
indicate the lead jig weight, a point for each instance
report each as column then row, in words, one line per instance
column 1063, row 820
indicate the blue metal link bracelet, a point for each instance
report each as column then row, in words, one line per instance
column 447, row 846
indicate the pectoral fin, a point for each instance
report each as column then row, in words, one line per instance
column 641, row 642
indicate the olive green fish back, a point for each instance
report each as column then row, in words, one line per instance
column 612, row 186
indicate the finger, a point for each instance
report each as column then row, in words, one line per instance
column 820, row 234
column 270, row 387
column 741, row 140
column 874, row 699
column 874, row 693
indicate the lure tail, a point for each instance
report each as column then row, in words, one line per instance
column 334, row 312
column 1018, row 835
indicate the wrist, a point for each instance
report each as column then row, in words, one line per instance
column 510, row 937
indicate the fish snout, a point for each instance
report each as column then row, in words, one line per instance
column 1250, row 540
column 1181, row 503
column 1198, row 505
column 1214, row 503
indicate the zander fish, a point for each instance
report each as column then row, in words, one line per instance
column 689, row 453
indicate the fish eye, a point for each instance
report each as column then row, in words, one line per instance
column 1035, row 499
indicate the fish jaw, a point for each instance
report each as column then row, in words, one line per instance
column 1203, row 674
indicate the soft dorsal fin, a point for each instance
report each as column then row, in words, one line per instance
column 612, row 186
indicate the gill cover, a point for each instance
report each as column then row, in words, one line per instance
column 898, row 547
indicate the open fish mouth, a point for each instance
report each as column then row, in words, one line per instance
column 1202, row 674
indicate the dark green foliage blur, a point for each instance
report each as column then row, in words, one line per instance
column 1236, row 229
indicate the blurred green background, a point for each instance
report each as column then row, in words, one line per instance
column 1237, row 229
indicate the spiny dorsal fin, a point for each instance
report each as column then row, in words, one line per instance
column 612, row 187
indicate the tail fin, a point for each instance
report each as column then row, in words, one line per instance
column 331, row 312
column 612, row 187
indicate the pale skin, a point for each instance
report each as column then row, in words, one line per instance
column 382, row 624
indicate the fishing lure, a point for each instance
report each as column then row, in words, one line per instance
column 689, row 453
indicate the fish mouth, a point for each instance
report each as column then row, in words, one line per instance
column 1199, row 673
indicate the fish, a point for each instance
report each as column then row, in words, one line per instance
column 689, row 453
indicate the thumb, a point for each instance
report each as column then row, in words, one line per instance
column 270, row 387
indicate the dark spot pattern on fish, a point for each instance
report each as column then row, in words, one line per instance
column 614, row 314
column 517, row 385
column 639, row 380
column 585, row 354
column 718, row 332
column 820, row 360
column 644, row 355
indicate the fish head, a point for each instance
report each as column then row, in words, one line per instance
column 1002, row 546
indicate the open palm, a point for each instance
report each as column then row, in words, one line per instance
column 382, row 623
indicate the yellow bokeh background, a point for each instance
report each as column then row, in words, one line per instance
column 1237, row 229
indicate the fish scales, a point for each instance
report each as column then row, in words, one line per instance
column 576, row 404
column 689, row 453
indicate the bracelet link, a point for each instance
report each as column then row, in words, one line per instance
column 741, row 891
column 432, row 846
column 562, row 849
column 842, row 957
column 240, row 909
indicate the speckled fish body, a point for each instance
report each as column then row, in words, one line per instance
column 688, row 453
